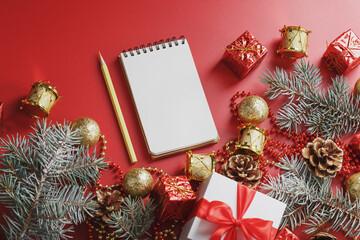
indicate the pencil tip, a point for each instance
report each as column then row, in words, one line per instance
column 101, row 58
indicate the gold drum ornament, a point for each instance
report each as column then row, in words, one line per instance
column 294, row 42
column 199, row 166
column 41, row 99
column 251, row 141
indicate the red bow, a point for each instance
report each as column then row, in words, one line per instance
column 220, row 213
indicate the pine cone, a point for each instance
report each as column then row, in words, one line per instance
column 107, row 202
column 243, row 169
column 323, row 236
column 323, row 157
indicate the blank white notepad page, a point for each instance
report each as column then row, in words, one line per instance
column 169, row 98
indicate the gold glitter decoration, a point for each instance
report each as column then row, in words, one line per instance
column 357, row 88
column 199, row 166
column 294, row 42
column 88, row 130
column 138, row 182
column 41, row 99
column 353, row 186
column 251, row 141
column 253, row 109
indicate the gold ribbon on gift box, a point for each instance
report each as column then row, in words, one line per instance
column 333, row 62
column 174, row 186
column 251, row 46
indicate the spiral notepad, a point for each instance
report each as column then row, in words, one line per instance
column 170, row 102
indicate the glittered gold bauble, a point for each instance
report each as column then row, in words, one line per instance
column 353, row 185
column 88, row 130
column 138, row 182
column 253, row 109
column 357, row 88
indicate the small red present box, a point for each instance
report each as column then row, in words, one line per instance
column 343, row 54
column 175, row 197
column 244, row 54
column 286, row 234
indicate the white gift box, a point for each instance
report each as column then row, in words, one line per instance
column 220, row 188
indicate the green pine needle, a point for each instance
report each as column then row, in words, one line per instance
column 134, row 218
column 310, row 199
column 41, row 181
column 332, row 113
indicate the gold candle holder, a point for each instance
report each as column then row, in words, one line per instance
column 294, row 42
column 199, row 166
column 251, row 140
column 41, row 99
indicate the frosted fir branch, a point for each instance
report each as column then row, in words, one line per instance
column 42, row 199
column 134, row 218
column 332, row 113
column 310, row 200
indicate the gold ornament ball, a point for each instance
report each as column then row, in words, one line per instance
column 253, row 109
column 352, row 185
column 88, row 130
column 138, row 182
column 357, row 88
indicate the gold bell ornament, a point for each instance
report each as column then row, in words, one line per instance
column 294, row 42
column 199, row 166
column 41, row 99
column 251, row 140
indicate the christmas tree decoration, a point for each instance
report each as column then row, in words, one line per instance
column 230, row 210
column 107, row 202
column 357, row 88
column 88, row 131
column 243, row 169
column 138, row 182
column 175, row 197
column 343, row 54
column 251, row 140
column 244, row 54
column 41, row 99
column 253, row 109
column 323, row 158
column 323, row 236
column 332, row 113
column 133, row 219
column 352, row 185
column 43, row 182
column 286, row 234
column 199, row 166
column 311, row 200
column 294, row 42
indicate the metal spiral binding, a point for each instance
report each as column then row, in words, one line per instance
column 170, row 42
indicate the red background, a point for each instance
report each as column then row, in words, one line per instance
column 59, row 41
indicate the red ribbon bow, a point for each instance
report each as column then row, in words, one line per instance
column 221, row 214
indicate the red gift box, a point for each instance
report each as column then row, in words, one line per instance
column 175, row 197
column 343, row 54
column 286, row 234
column 244, row 54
